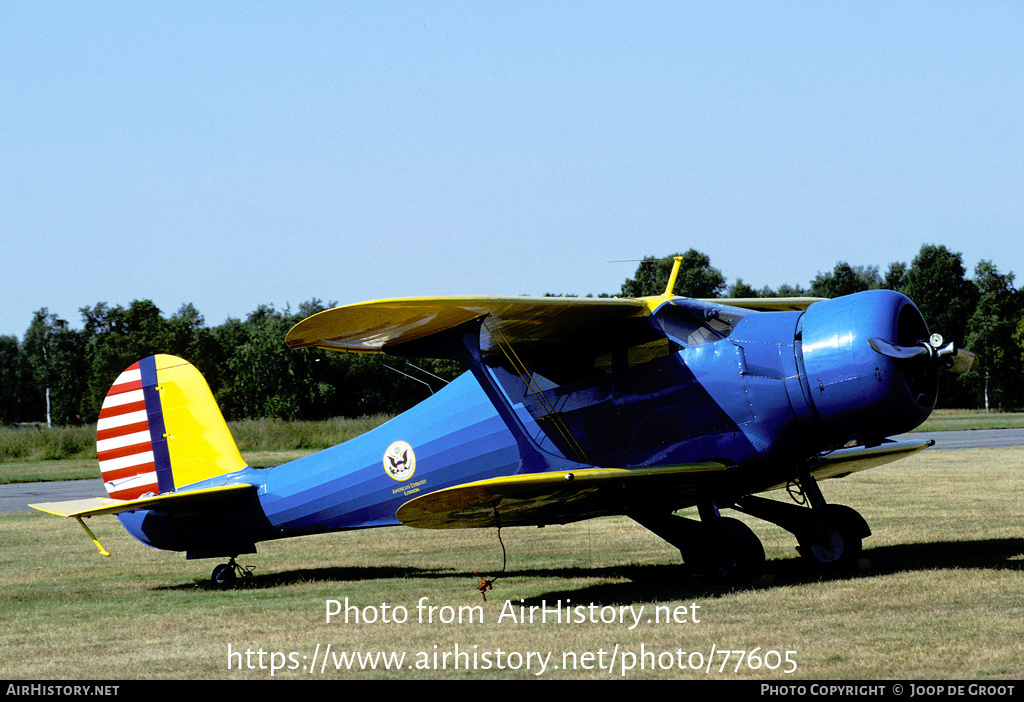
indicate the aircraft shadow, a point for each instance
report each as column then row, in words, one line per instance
column 669, row 582
column 264, row 581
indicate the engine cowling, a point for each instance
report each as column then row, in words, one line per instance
column 858, row 391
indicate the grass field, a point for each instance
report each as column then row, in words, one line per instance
column 938, row 597
column 947, row 420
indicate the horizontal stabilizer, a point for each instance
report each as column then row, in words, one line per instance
column 186, row 501
column 546, row 498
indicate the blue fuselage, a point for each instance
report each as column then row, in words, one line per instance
column 759, row 391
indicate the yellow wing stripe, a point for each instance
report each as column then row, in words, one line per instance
column 843, row 462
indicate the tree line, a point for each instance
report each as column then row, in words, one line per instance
column 59, row 374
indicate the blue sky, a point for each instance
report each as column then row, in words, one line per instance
column 236, row 154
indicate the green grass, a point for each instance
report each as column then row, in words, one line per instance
column 282, row 435
column 958, row 420
column 36, row 442
column 69, row 453
column 938, row 597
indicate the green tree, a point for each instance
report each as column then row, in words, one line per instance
column 936, row 281
column 115, row 338
column 895, row 276
column 990, row 334
column 845, row 280
column 697, row 277
column 785, row 290
column 741, row 289
column 12, row 368
column 56, row 357
column 264, row 378
column 188, row 337
column 260, row 381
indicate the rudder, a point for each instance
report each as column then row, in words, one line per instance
column 160, row 429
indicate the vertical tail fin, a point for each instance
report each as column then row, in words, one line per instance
column 160, row 429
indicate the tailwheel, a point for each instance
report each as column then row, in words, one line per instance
column 226, row 574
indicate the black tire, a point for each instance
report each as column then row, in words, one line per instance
column 838, row 543
column 731, row 555
column 224, row 575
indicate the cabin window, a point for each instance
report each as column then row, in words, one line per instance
column 692, row 323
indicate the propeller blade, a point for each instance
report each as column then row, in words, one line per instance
column 964, row 361
column 887, row 348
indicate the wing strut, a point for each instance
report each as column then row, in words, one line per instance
column 524, row 374
column 462, row 343
column 103, row 551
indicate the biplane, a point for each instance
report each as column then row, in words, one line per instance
column 571, row 408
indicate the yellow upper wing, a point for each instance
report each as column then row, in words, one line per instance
column 378, row 325
column 375, row 326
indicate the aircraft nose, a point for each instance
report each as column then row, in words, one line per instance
column 861, row 357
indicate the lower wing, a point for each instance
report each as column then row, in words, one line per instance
column 566, row 496
column 548, row 498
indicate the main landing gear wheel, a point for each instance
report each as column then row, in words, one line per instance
column 717, row 550
column 730, row 555
column 224, row 575
column 829, row 537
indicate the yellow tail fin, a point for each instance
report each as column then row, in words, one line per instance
column 160, row 429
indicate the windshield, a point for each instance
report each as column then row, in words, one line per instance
column 691, row 322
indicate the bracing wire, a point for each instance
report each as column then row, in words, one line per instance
column 524, row 374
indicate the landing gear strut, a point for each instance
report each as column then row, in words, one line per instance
column 724, row 550
column 829, row 536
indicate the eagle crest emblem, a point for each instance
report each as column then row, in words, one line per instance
column 400, row 461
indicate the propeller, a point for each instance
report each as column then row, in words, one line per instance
column 946, row 356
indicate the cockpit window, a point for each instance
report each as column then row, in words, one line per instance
column 692, row 323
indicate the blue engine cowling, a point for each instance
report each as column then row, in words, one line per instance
column 856, row 392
